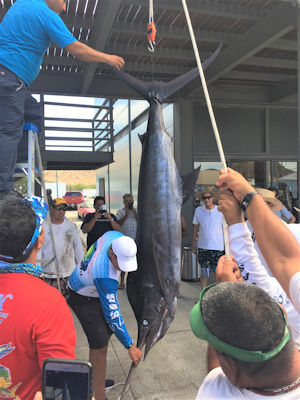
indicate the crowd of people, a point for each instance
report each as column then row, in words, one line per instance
column 250, row 317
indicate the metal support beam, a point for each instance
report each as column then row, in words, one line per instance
column 282, row 44
column 167, row 69
column 62, row 61
column 275, row 25
column 283, row 90
column 211, row 7
column 160, row 52
column 176, row 33
column 106, row 15
column 77, row 21
column 271, row 62
column 256, row 76
column 71, row 83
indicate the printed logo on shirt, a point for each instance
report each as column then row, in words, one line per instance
column 113, row 306
column 281, row 298
column 5, row 376
column 3, row 298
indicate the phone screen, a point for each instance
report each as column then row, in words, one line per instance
column 66, row 382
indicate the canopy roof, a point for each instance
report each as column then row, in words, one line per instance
column 258, row 61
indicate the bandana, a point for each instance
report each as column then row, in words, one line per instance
column 30, row 269
column 41, row 210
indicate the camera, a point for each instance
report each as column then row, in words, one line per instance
column 130, row 205
column 102, row 209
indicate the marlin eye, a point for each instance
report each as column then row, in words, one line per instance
column 145, row 322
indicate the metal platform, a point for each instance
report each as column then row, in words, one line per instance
column 75, row 160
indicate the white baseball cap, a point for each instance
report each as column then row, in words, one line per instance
column 125, row 249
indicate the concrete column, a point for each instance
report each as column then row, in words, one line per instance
column 183, row 152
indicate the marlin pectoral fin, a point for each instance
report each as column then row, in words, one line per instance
column 188, row 184
column 159, row 255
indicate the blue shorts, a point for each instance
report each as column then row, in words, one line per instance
column 208, row 260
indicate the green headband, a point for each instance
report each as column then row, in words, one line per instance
column 202, row 332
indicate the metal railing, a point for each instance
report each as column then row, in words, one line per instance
column 92, row 133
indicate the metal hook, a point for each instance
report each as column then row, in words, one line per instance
column 151, row 46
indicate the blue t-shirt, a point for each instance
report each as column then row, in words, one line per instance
column 25, row 34
column 284, row 213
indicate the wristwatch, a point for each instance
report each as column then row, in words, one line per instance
column 247, row 200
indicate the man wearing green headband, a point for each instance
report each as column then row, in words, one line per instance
column 249, row 334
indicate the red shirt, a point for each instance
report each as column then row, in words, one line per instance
column 35, row 324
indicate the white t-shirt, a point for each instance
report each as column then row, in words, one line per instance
column 295, row 230
column 295, row 290
column 210, row 236
column 242, row 249
column 216, row 386
column 68, row 248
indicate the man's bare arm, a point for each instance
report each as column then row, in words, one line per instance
column 277, row 244
column 86, row 53
column 88, row 226
column 195, row 236
column 115, row 225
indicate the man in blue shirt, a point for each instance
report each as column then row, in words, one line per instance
column 25, row 34
column 93, row 297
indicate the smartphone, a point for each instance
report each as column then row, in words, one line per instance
column 102, row 208
column 130, row 205
column 67, row 379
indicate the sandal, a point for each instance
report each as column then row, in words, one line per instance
column 121, row 286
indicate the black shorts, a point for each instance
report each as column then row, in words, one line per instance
column 89, row 312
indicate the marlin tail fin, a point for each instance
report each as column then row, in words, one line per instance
column 162, row 90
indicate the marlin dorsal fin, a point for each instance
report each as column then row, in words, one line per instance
column 188, row 184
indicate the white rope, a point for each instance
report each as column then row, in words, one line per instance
column 150, row 11
column 211, row 113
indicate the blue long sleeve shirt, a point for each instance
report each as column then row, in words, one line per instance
column 95, row 276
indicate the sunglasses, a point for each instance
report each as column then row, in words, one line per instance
column 206, row 197
column 60, row 208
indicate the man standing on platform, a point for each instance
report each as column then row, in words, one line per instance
column 208, row 235
column 25, row 34
column 127, row 219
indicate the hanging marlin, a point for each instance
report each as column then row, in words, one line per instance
column 153, row 288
